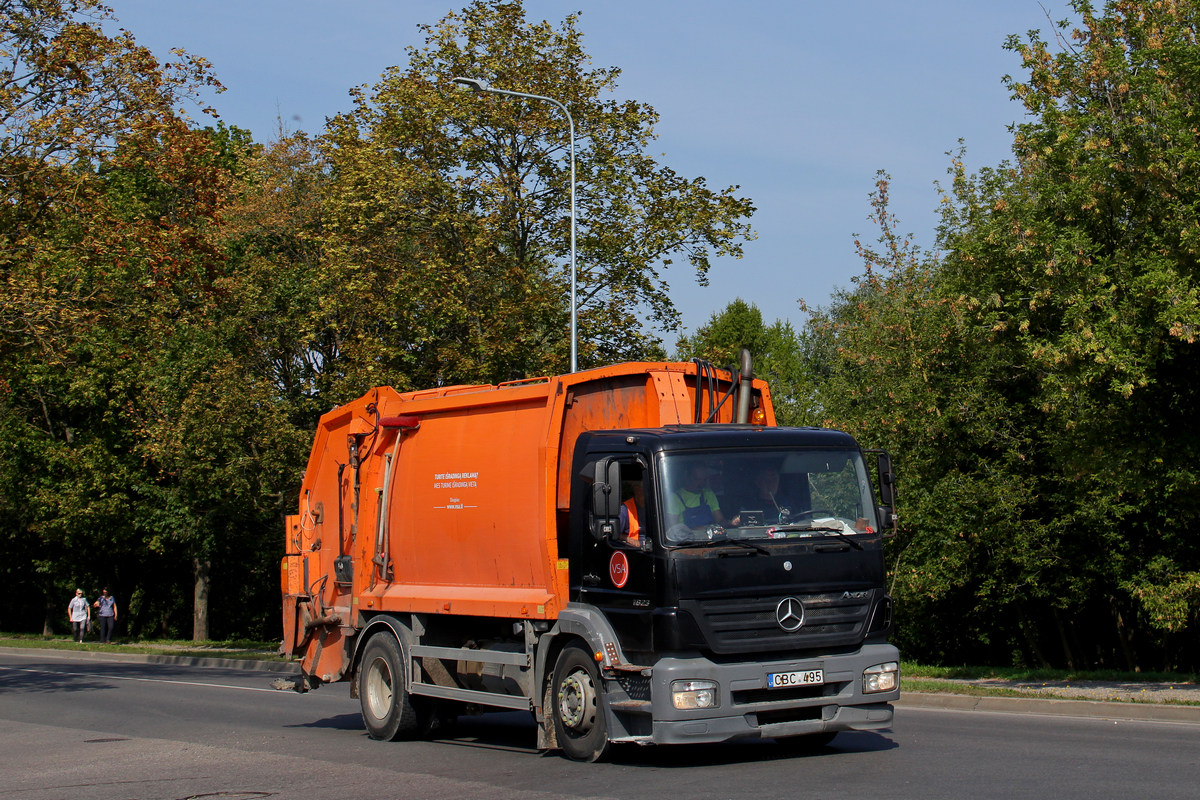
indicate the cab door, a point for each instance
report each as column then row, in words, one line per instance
column 617, row 559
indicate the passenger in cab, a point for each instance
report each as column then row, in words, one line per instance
column 694, row 504
column 632, row 511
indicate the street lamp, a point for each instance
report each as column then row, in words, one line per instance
column 480, row 85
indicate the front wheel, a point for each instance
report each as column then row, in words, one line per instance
column 388, row 710
column 578, row 706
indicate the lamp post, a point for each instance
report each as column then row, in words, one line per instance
column 480, row 85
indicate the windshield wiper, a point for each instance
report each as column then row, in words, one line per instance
column 747, row 545
column 721, row 541
column 819, row 529
column 692, row 543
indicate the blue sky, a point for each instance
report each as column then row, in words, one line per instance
column 797, row 102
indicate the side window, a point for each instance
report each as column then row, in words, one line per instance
column 629, row 526
column 632, row 530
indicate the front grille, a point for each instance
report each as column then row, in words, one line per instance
column 747, row 624
column 805, row 714
column 751, row 696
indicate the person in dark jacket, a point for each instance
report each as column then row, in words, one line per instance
column 107, row 612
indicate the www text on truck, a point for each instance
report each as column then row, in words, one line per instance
column 634, row 553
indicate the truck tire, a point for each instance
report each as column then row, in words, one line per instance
column 578, row 706
column 388, row 710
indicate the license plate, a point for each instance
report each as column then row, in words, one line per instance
column 809, row 677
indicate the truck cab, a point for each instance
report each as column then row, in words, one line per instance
column 752, row 595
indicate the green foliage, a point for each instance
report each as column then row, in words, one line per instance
column 448, row 212
column 776, row 351
column 135, row 439
column 69, row 92
column 178, row 305
column 1036, row 380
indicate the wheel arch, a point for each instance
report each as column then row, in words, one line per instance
column 384, row 624
column 577, row 623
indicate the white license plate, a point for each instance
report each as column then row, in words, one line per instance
column 808, row 677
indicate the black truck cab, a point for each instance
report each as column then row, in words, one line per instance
column 741, row 568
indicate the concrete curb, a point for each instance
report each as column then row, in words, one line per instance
column 1093, row 709
column 246, row 664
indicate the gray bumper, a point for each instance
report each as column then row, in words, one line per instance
column 750, row 710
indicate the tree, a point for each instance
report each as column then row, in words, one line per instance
column 216, row 435
column 273, row 231
column 179, row 305
column 447, row 213
column 896, row 362
column 117, row 334
column 1035, row 380
column 776, row 351
column 69, row 93
column 1097, row 289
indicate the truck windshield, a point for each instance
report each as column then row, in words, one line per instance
column 765, row 494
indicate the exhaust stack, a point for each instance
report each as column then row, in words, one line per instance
column 747, row 374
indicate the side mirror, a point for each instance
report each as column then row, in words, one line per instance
column 606, row 498
column 887, row 490
column 887, row 480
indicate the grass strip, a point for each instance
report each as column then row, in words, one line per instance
column 1031, row 675
column 233, row 649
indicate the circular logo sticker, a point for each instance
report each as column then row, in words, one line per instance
column 618, row 569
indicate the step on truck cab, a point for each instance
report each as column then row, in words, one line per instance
column 611, row 550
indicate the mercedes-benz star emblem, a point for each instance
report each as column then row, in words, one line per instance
column 790, row 614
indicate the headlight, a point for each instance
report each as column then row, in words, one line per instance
column 694, row 694
column 881, row 678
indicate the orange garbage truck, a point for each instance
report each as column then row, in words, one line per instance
column 634, row 553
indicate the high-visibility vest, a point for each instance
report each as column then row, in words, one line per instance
column 632, row 517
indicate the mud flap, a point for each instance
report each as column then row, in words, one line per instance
column 547, row 736
column 295, row 634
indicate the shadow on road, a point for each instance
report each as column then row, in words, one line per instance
column 517, row 732
column 721, row 755
column 45, row 678
column 342, row 722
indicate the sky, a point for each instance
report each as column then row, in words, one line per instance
column 796, row 102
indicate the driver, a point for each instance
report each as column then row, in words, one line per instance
column 777, row 507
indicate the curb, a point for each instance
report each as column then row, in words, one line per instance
column 245, row 664
column 1091, row 709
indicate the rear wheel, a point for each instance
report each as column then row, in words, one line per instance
column 388, row 709
column 578, row 706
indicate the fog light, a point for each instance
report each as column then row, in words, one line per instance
column 694, row 694
column 881, row 678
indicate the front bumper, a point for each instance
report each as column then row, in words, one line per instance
column 749, row 710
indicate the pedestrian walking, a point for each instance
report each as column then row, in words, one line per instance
column 107, row 611
column 80, row 615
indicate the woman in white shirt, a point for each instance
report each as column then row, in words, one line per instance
column 80, row 614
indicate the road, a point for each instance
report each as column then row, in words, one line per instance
column 107, row 730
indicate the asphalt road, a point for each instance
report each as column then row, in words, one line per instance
column 110, row 730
